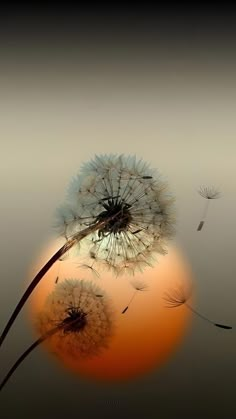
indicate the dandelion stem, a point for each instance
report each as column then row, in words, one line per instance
column 205, row 318
column 32, row 347
column 67, row 246
column 34, row 283
column 26, row 353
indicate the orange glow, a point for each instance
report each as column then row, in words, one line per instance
column 146, row 335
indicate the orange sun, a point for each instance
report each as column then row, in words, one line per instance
column 146, row 334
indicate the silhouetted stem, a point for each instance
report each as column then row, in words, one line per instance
column 41, row 339
column 67, row 246
column 25, row 354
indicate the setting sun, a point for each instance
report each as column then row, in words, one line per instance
column 146, row 333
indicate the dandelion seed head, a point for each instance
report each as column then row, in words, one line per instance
column 136, row 204
column 209, row 192
column 85, row 320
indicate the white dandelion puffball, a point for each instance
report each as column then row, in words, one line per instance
column 84, row 318
column 134, row 201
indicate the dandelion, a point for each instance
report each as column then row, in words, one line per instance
column 139, row 207
column 78, row 318
column 120, row 210
column 179, row 296
column 138, row 286
column 85, row 301
column 208, row 194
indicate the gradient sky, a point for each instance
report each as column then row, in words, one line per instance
column 158, row 85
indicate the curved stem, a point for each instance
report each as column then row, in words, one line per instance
column 25, row 354
column 41, row 339
column 67, row 246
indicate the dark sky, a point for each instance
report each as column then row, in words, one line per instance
column 134, row 24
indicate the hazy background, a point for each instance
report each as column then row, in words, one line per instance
column 158, row 84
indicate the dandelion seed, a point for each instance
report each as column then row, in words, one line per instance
column 125, row 309
column 79, row 322
column 120, row 211
column 208, row 193
column 138, row 286
column 179, row 296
